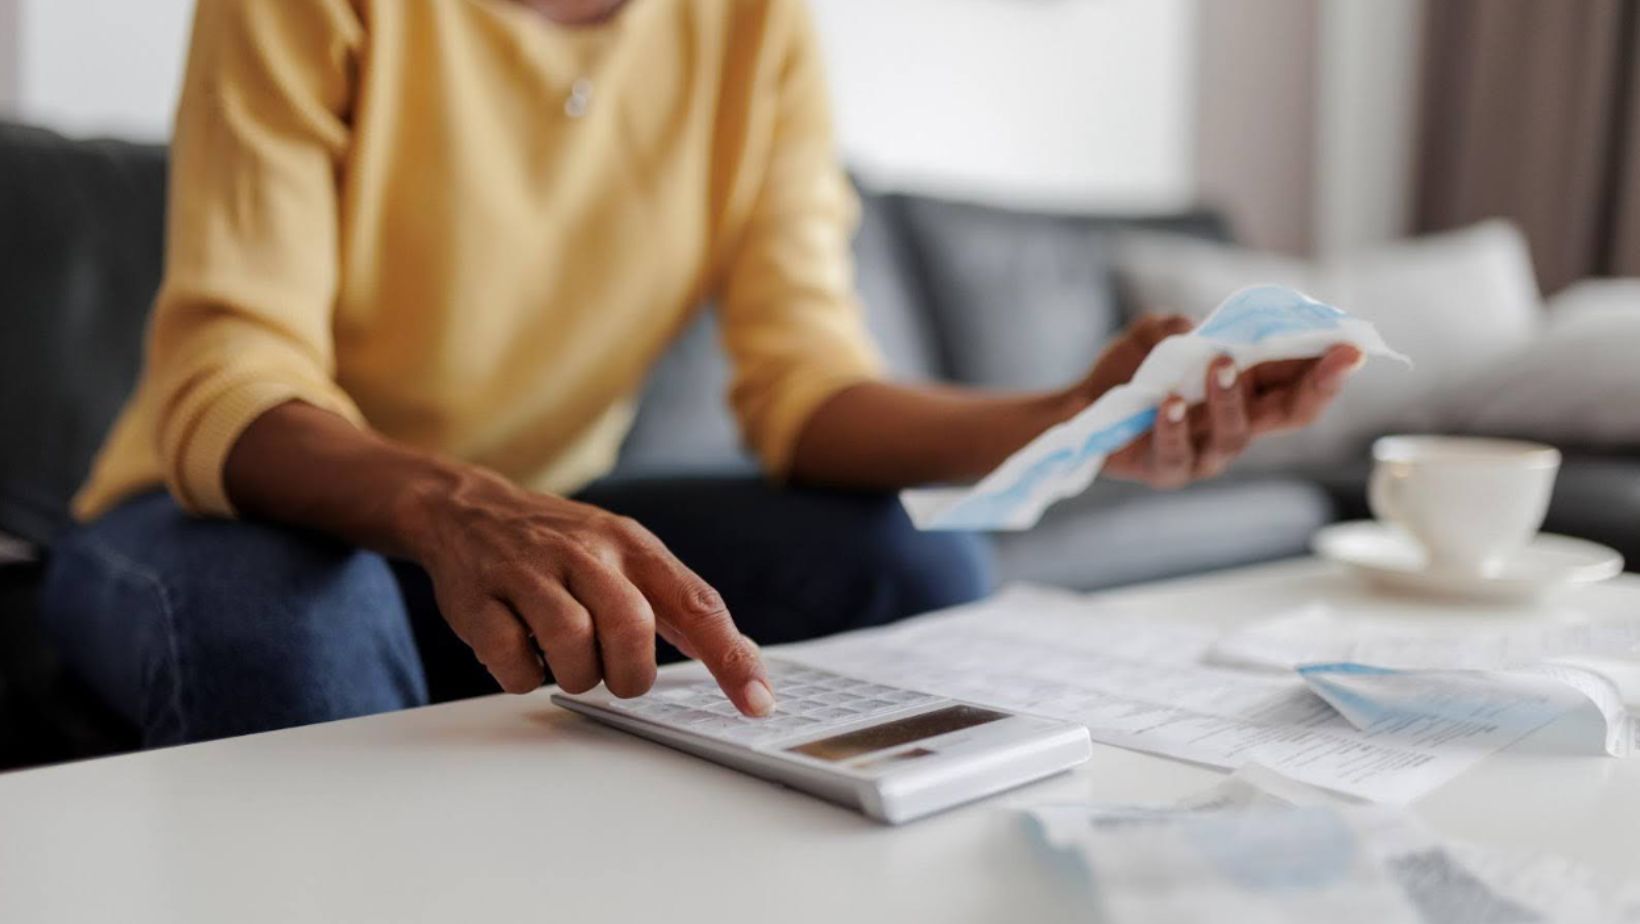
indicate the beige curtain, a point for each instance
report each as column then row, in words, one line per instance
column 1532, row 112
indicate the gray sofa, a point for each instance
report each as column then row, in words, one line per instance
column 957, row 292
column 1011, row 300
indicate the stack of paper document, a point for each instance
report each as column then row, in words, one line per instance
column 1297, row 707
column 1260, row 848
column 1144, row 684
column 1315, row 634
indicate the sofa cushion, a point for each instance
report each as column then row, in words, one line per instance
column 683, row 422
column 1455, row 303
column 1022, row 300
column 896, row 309
column 1574, row 384
column 1597, row 497
column 1122, row 533
column 81, row 244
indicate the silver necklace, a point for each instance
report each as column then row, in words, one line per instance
column 579, row 101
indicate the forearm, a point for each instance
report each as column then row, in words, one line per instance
column 303, row 466
column 529, row 581
column 885, row 436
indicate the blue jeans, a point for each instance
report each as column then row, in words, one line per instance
column 197, row 629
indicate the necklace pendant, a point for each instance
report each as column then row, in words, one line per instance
column 579, row 101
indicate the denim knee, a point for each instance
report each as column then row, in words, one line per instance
column 200, row 629
column 927, row 570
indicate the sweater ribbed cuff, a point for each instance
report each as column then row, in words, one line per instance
column 778, row 442
column 198, row 482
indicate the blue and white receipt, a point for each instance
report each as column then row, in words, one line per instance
column 1252, row 326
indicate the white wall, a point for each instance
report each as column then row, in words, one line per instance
column 8, row 53
column 1058, row 102
column 1368, row 119
column 1062, row 102
column 101, row 66
column 1069, row 101
column 1307, row 120
column 1256, row 137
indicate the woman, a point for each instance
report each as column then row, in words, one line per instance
column 420, row 258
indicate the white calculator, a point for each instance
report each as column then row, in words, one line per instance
column 892, row 753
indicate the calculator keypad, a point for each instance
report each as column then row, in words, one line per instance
column 809, row 702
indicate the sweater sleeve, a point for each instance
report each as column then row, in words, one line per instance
column 243, row 318
column 792, row 326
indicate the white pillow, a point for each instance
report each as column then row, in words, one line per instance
column 1578, row 385
column 1455, row 302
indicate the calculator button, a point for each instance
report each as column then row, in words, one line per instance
column 811, row 702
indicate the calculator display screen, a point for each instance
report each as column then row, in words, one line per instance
column 900, row 731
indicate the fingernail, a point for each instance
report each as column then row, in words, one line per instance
column 1175, row 411
column 759, row 698
column 1227, row 377
column 1360, row 360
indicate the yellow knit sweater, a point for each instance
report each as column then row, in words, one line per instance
column 394, row 209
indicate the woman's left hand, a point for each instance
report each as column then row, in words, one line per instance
column 1192, row 443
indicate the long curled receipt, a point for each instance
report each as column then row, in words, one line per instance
column 1379, row 698
column 1254, row 325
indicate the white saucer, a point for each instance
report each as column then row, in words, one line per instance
column 1390, row 558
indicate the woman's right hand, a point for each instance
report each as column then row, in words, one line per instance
column 520, row 575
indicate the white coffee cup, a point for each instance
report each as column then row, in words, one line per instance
column 1470, row 502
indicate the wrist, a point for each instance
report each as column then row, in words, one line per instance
column 425, row 503
column 1074, row 400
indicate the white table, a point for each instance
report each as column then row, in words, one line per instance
column 508, row 809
